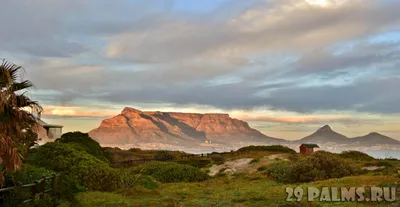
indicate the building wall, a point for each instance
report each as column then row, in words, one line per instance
column 54, row 133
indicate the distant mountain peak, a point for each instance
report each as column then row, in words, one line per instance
column 127, row 110
column 325, row 128
column 374, row 133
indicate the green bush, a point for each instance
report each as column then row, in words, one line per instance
column 173, row 172
column 272, row 148
column 280, row 171
column 199, row 163
column 76, row 163
column 323, row 165
column 379, row 163
column 30, row 173
column 131, row 177
column 356, row 155
column 163, row 155
column 318, row 166
column 88, row 144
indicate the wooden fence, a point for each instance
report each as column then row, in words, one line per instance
column 38, row 188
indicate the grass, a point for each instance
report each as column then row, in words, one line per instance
column 241, row 190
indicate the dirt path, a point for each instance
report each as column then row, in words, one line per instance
column 244, row 165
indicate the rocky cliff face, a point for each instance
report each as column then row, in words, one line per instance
column 133, row 126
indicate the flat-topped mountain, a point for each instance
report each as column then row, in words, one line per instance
column 185, row 129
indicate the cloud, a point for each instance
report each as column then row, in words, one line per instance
column 279, row 54
column 296, row 119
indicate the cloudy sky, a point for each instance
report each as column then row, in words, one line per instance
column 286, row 66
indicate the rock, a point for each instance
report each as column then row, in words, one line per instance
column 133, row 126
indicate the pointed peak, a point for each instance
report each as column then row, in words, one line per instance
column 325, row 128
column 130, row 110
column 374, row 133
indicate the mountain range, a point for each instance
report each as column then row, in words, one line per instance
column 160, row 129
column 326, row 135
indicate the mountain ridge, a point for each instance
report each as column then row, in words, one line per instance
column 326, row 135
column 133, row 125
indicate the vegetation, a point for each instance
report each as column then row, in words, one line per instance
column 164, row 155
column 318, row 166
column 13, row 119
column 356, row 156
column 88, row 144
column 76, row 163
column 173, row 172
column 195, row 162
column 217, row 159
column 272, row 148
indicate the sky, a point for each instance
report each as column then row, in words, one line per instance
column 287, row 67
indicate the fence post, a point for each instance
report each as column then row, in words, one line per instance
column 34, row 189
column 43, row 187
column 53, row 183
column 60, row 180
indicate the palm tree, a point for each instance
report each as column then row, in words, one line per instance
column 16, row 114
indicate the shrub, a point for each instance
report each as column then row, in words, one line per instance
column 163, row 155
column 323, row 165
column 356, row 155
column 173, row 172
column 76, row 163
column 199, row 163
column 272, row 148
column 379, row 163
column 280, row 171
column 30, row 173
column 88, row 144
column 218, row 159
column 318, row 166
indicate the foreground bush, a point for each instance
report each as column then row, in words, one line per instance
column 29, row 174
column 272, row 148
column 356, row 155
column 173, row 172
column 318, row 166
column 280, row 171
column 87, row 143
column 77, row 164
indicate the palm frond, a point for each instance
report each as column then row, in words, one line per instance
column 9, row 73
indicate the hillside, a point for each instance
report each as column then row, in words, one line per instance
column 374, row 138
column 133, row 126
column 326, row 135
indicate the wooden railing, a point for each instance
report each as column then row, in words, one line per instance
column 38, row 188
